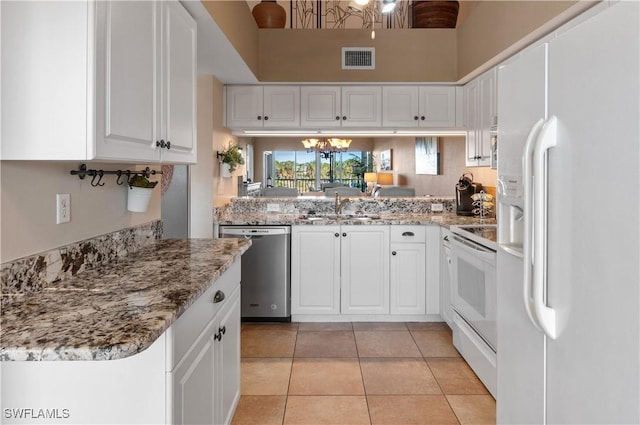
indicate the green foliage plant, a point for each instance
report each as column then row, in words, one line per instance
column 232, row 156
column 141, row 181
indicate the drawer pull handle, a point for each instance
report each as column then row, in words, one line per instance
column 219, row 296
column 408, row 234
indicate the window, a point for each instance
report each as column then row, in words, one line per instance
column 306, row 171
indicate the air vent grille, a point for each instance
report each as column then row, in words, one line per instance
column 358, row 58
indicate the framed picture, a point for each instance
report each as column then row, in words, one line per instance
column 385, row 160
column 427, row 156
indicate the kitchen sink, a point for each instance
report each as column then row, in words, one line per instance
column 330, row 216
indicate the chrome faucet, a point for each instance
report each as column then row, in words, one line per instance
column 339, row 204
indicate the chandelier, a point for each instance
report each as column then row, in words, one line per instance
column 326, row 146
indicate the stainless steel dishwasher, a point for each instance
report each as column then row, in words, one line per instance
column 266, row 271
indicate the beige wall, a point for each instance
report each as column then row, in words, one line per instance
column 493, row 26
column 485, row 30
column 236, row 21
column 452, row 166
column 223, row 188
column 28, row 209
column 315, row 56
column 201, row 174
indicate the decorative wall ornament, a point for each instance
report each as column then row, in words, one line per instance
column 339, row 14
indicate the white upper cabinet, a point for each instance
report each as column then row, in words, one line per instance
column 179, row 85
column 341, row 106
column 361, row 106
column 128, row 79
column 103, row 81
column 419, row 106
column 320, row 106
column 481, row 113
column 263, row 106
column 46, row 108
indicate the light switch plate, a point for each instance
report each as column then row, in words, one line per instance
column 63, row 208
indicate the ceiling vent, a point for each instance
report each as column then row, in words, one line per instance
column 358, row 58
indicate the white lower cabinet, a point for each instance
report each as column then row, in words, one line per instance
column 340, row 270
column 315, row 269
column 364, row 269
column 205, row 383
column 365, row 272
column 189, row 375
column 408, row 270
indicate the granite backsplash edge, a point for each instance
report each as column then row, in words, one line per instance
column 35, row 272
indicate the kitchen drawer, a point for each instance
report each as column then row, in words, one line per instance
column 184, row 332
column 416, row 234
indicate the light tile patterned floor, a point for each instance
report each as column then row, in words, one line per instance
column 360, row 373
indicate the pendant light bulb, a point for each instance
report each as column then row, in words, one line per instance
column 373, row 34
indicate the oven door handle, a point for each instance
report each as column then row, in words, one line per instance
column 527, row 246
column 472, row 248
column 546, row 140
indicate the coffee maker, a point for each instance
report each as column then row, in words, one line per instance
column 464, row 189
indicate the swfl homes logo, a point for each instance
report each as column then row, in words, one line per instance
column 31, row 413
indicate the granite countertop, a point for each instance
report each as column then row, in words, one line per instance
column 117, row 310
column 443, row 219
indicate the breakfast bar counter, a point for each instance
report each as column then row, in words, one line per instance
column 117, row 310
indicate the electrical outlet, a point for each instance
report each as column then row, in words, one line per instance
column 437, row 207
column 63, row 208
column 273, row 207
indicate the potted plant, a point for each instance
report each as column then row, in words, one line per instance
column 231, row 158
column 139, row 193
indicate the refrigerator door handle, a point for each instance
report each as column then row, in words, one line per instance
column 527, row 246
column 546, row 140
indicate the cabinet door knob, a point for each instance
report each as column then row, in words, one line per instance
column 393, row 253
column 219, row 296
column 344, row 118
column 337, row 117
column 259, row 117
column 446, row 238
column 408, row 234
column 222, row 330
column 266, row 117
column 168, row 144
column 337, row 235
column 422, row 118
column 415, row 117
column 218, row 336
column 344, row 235
column 161, row 143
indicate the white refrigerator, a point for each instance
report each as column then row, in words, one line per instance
column 568, row 275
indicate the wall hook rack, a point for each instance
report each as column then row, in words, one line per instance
column 96, row 175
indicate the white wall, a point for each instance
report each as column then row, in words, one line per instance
column 28, row 206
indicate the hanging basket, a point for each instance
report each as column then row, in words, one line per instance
column 225, row 170
column 138, row 198
column 434, row 14
column 269, row 14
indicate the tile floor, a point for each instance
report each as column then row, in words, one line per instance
column 357, row 373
